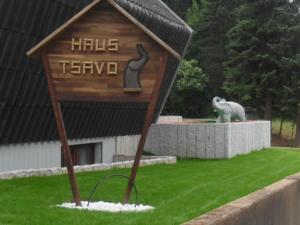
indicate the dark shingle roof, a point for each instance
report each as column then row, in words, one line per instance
column 25, row 108
column 154, row 12
column 154, row 7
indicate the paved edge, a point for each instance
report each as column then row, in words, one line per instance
column 95, row 167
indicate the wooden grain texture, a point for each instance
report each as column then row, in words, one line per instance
column 102, row 24
column 62, row 132
column 95, row 4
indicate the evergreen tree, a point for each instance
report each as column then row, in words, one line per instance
column 256, row 48
column 180, row 7
column 210, row 19
column 290, row 63
column 291, row 102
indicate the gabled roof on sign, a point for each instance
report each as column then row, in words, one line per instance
column 37, row 49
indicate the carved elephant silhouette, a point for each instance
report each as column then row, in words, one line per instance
column 228, row 111
column 133, row 70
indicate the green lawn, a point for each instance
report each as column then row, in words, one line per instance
column 179, row 192
column 287, row 128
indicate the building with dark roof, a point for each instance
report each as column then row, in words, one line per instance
column 28, row 136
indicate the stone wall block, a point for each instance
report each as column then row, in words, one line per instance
column 228, row 144
column 220, row 141
column 210, row 141
column 200, row 141
column 155, row 145
column 267, row 134
column 173, row 139
column 250, row 136
column 191, row 141
column 149, row 140
column 247, row 139
column 234, row 143
column 182, row 141
column 257, row 137
column 164, row 147
column 243, row 138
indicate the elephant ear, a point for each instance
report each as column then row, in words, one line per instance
column 226, row 107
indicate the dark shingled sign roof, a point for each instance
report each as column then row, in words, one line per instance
column 25, row 108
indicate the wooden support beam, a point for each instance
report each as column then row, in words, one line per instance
column 62, row 132
column 147, row 124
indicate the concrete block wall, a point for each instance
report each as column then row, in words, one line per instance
column 170, row 119
column 277, row 204
column 208, row 140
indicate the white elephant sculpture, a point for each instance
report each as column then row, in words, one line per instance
column 228, row 111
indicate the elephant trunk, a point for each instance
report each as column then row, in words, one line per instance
column 143, row 54
column 216, row 104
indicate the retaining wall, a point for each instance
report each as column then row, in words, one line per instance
column 208, row 140
column 277, row 204
column 96, row 167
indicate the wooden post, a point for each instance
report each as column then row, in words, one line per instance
column 147, row 124
column 62, row 132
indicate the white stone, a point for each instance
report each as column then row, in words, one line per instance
column 107, row 207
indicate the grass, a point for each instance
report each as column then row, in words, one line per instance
column 287, row 129
column 179, row 192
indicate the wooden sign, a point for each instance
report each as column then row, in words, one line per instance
column 103, row 54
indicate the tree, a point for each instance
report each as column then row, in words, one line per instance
column 186, row 91
column 291, row 63
column 179, row 7
column 254, row 71
column 292, row 91
column 211, row 19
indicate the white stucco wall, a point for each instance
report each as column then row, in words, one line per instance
column 127, row 145
column 48, row 154
column 30, row 156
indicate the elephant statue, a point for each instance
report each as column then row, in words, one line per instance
column 228, row 111
column 132, row 72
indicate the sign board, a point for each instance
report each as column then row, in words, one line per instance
column 103, row 54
